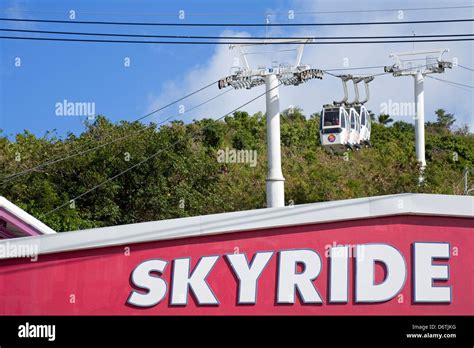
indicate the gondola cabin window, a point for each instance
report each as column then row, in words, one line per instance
column 331, row 118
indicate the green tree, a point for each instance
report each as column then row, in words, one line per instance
column 385, row 119
column 444, row 120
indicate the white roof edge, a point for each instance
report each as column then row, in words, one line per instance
column 25, row 217
column 313, row 213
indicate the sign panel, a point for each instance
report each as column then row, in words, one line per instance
column 403, row 265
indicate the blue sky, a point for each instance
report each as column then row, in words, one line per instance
column 51, row 72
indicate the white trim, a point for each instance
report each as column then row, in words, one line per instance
column 314, row 213
column 25, row 217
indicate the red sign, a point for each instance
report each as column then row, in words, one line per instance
column 403, row 265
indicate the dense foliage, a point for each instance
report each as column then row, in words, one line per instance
column 184, row 178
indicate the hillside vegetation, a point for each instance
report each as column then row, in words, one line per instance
column 185, row 178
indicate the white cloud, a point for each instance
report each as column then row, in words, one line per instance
column 16, row 9
column 218, row 66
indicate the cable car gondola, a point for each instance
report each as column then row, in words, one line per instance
column 346, row 125
column 335, row 123
column 336, row 133
column 334, row 128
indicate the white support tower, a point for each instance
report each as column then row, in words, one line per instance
column 272, row 77
column 275, row 180
column 420, row 119
column 408, row 64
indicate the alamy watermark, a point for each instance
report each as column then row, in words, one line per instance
column 13, row 250
column 68, row 108
column 345, row 250
column 237, row 156
column 28, row 330
column 398, row 108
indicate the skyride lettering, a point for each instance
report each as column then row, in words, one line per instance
column 153, row 288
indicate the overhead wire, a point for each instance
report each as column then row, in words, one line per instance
column 67, row 154
column 192, row 37
column 232, row 42
column 452, row 82
column 465, row 67
column 187, row 24
column 153, row 155
column 233, row 14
